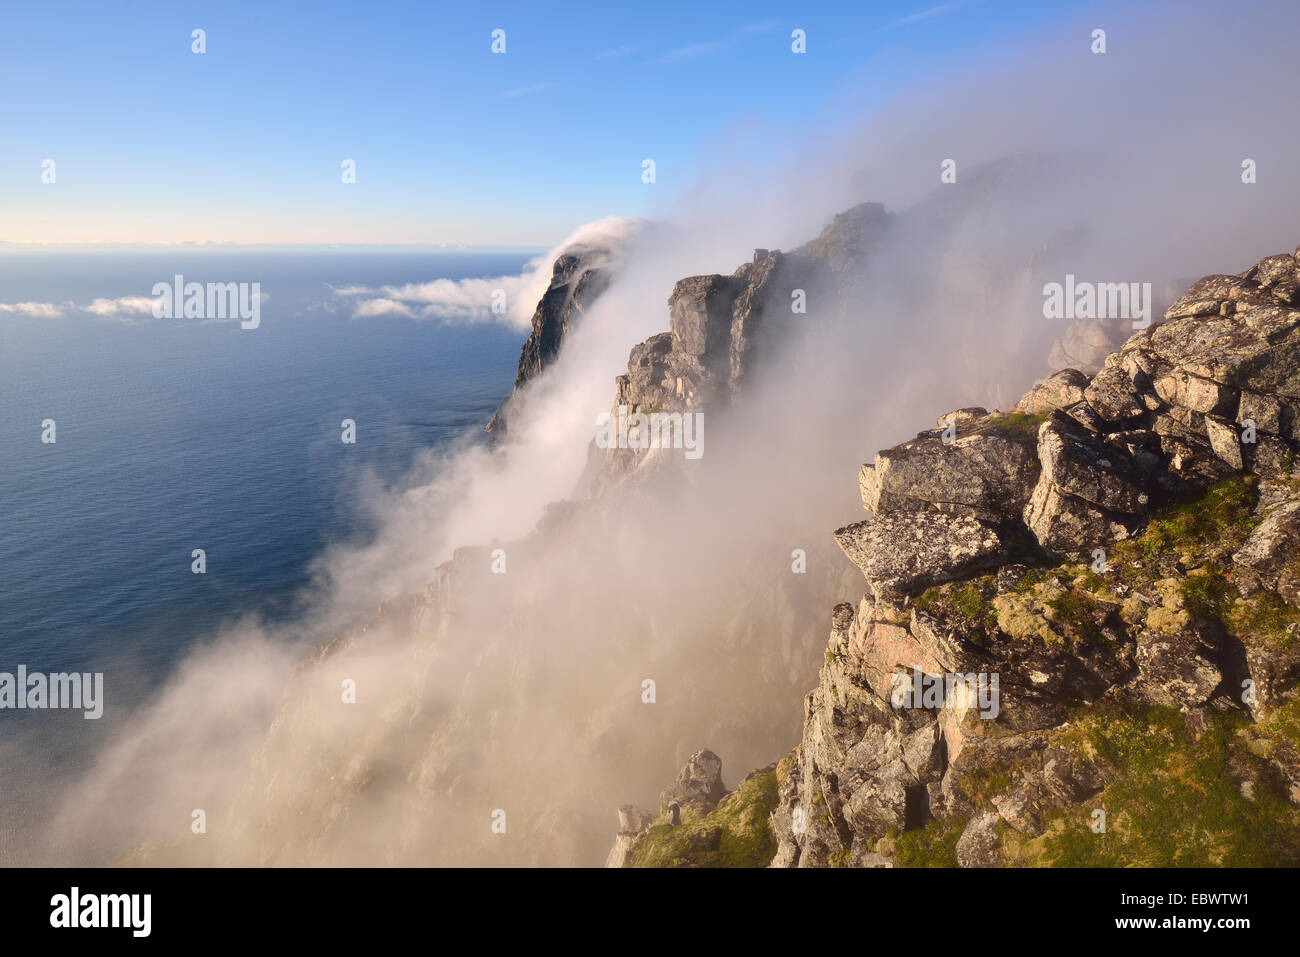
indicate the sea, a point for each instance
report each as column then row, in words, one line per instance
column 172, row 435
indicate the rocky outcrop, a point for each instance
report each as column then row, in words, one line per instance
column 632, row 823
column 578, row 276
column 698, row 787
column 1098, row 587
column 721, row 327
column 701, row 823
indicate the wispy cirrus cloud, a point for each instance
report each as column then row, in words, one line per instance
column 707, row 48
column 919, row 16
column 617, row 53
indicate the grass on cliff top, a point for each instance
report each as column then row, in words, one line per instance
column 934, row 845
column 1176, row 801
column 1017, row 425
column 736, row 833
column 970, row 600
column 1200, row 530
column 1215, row 520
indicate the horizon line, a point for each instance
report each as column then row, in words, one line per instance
column 6, row 244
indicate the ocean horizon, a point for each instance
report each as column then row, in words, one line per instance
column 181, row 434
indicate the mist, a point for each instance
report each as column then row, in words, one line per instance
column 479, row 691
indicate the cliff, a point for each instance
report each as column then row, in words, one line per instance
column 579, row 275
column 1080, row 639
column 721, row 329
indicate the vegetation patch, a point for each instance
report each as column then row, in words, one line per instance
column 1177, row 801
column 736, row 833
column 934, row 845
column 1016, row 425
column 967, row 603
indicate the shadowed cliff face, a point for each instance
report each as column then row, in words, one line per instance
column 515, row 681
column 579, row 275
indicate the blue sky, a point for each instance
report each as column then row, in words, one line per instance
column 453, row 144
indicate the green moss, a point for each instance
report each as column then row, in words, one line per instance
column 1017, row 425
column 1220, row 516
column 1077, row 611
column 969, row 600
column 934, row 845
column 1208, row 595
column 982, row 784
column 1283, row 723
column 1263, row 618
column 1176, row 801
column 736, row 833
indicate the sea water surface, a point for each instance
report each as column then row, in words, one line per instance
column 173, row 435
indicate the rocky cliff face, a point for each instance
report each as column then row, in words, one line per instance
column 1080, row 641
column 721, row 327
column 578, row 276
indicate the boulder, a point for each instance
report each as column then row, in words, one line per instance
column 1175, row 662
column 1058, row 391
column 698, row 787
column 910, row 551
column 1089, row 493
column 986, row 473
column 979, row 844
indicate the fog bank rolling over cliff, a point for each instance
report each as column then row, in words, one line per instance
column 522, row 691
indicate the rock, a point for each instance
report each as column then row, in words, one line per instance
column 985, row 473
column 1113, row 396
column 700, row 313
column 579, row 276
column 1070, row 778
column 632, row 822
column 1224, row 441
column 1081, row 464
column 1058, row 391
column 909, row 552
column 1021, row 807
column 961, row 418
column 1277, row 275
column 1206, row 295
column 1268, row 414
column 698, row 787
column 1256, row 350
column 980, row 844
column 1273, row 551
column 1089, row 492
column 1174, row 663
column 1275, row 542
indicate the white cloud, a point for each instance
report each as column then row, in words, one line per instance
column 383, row 307
column 124, row 306
column 40, row 310
column 471, row 300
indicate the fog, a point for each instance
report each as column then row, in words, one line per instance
column 522, row 691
